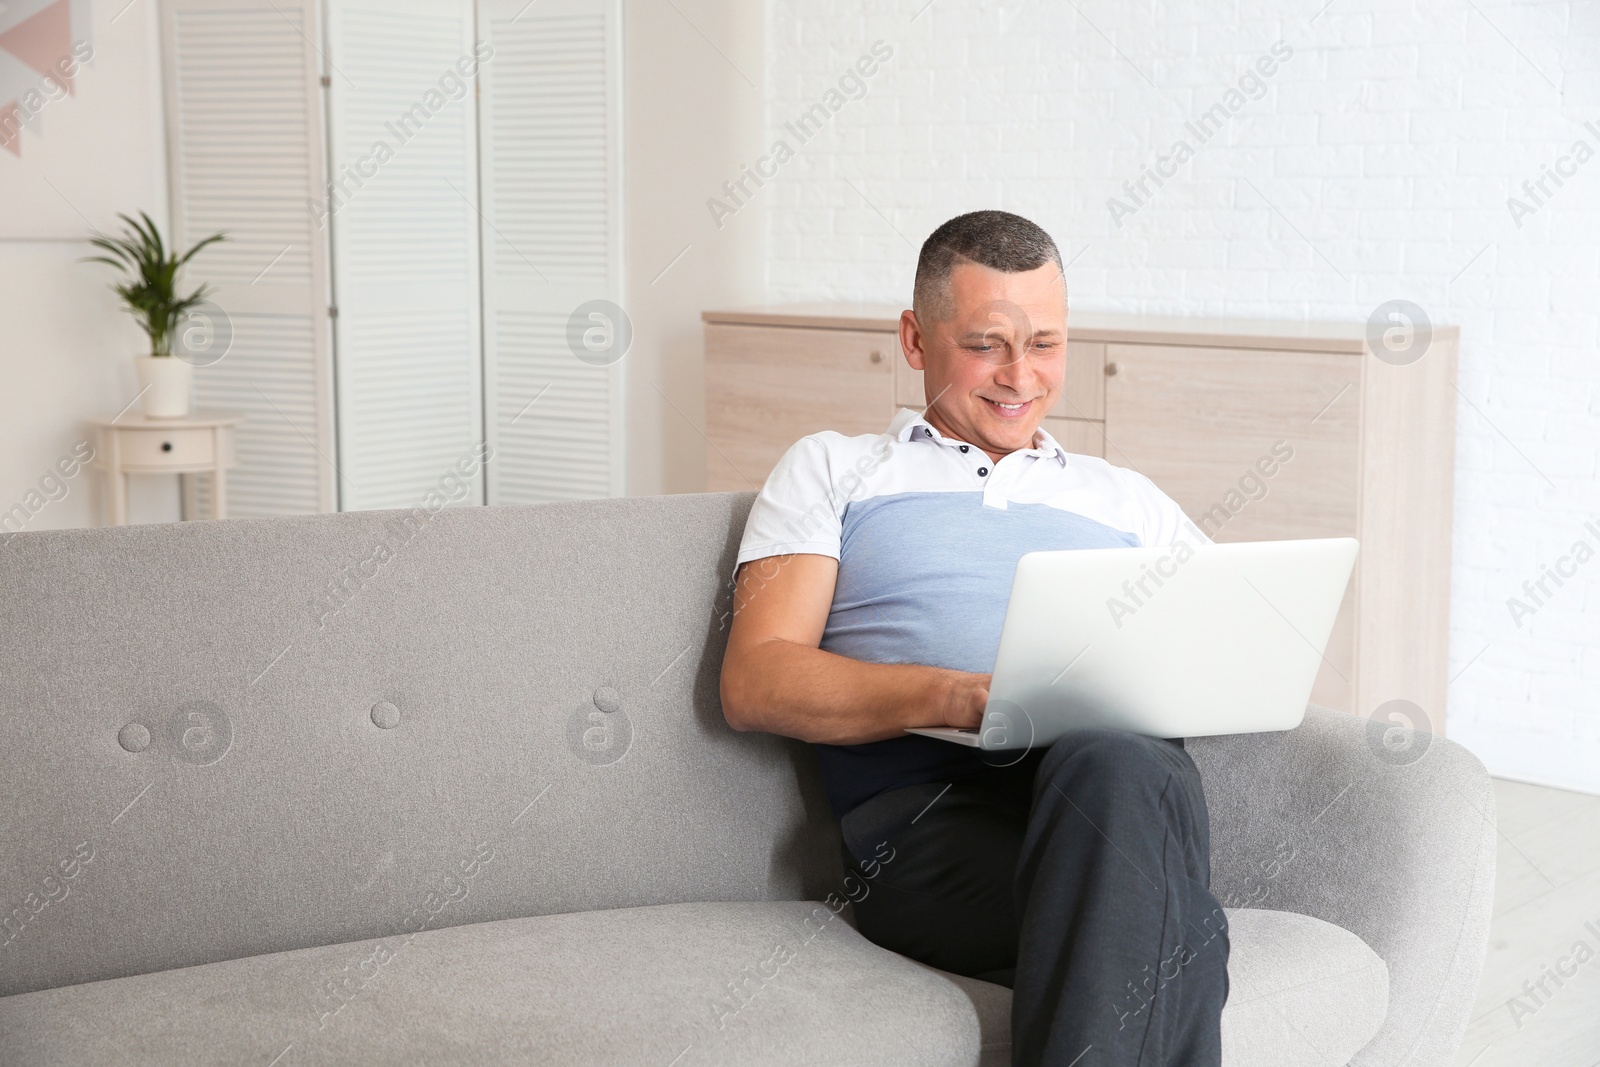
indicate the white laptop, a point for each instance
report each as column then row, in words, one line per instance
column 1163, row 641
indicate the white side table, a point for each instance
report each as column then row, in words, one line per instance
column 133, row 444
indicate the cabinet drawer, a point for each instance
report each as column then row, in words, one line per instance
column 1253, row 445
column 1083, row 392
column 156, row 449
column 769, row 386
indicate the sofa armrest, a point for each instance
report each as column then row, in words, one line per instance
column 1394, row 842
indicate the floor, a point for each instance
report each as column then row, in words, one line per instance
column 1546, row 916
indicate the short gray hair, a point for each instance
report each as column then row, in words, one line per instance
column 995, row 239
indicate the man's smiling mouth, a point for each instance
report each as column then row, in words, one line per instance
column 1005, row 410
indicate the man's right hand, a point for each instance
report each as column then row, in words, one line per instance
column 775, row 678
column 964, row 698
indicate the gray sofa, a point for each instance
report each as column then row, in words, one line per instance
column 401, row 787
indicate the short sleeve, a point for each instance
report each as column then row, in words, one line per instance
column 1165, row 522
column 797, row 510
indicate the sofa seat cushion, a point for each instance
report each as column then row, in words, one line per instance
column 1301, row 992
column 674, row 985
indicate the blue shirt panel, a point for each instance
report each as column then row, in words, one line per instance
column 924, row 577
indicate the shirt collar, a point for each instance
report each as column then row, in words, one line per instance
column 909, row 425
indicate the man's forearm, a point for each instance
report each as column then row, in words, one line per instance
column 786, row 688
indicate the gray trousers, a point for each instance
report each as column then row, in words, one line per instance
column 1079, row 875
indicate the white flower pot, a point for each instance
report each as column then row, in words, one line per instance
column 164, row 384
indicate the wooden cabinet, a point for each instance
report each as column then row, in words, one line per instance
column 1259, row 430
column 771, row 387
column 1196, row 420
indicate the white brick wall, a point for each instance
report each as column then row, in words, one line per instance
column 1389, row 143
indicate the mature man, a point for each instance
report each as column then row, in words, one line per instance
column 871, row 586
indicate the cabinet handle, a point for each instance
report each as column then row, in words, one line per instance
column 166, row 446
column 1111, row 370
column 876, row 357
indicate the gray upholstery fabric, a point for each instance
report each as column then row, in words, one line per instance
column 1301, row 992
column 1327, row 821
column 231, row 739
column 489, row 631
column 681, row 984
column 992, row 1003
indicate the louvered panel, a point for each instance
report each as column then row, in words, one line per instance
column 242, row 91
column 551, row 123
column 405, row 245
column 268, row 377
column 554, row 447
column 396, row 362
column 245, row 137
column 549, row 115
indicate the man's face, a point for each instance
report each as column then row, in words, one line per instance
column 993, row 366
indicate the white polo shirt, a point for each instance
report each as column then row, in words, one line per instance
column 927, row 531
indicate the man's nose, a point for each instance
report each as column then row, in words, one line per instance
column 1016, row 372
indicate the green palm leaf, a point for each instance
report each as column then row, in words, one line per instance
column 149, row 286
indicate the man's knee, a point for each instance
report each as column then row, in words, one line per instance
column 1114, row 774
column 1100, row 752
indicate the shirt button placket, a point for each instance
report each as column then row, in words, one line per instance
column 993, row 488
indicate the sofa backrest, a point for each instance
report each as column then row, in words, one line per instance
column 225, row 739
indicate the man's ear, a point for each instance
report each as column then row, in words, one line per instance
column 911, row 339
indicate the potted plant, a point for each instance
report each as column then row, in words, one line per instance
column 150, row 290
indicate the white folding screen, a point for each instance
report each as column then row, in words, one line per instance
column 551, row 130
column 245, row 155
column 406, row 255
column 402, row 176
